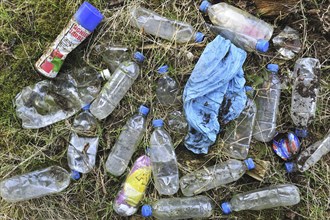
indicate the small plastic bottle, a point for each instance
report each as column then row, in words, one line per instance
column 267, row 101
column 116, row 88
column 35, row 184
column 163, row 160
column 167, row 87
column 214, row 176
column 238, row 137
column 134, row 187
column 154, row 24
column 127, row 142
column 304, row 93
column 264, row 198
column 180, row 208
column 240, row 27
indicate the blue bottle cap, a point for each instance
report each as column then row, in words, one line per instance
column 86, row 107
column 301, row 132
column 273, row 67
column 157, row 123
column 144, row 110
column 162, row 69
column 250, row 164
column 199, row 36
column 289, row 166
column 262, row 46
column 88, row 16
column 146, row 211
column 139, row 57
column 204, row 5
column 75, row 175
column 226, row 208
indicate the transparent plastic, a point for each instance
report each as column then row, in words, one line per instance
column 112, row 55
column 167, row 90
column 177, row 122
column 288, row 42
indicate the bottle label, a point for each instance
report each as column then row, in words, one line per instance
column 51, row 61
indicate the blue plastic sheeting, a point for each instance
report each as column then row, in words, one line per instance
column 215, row 91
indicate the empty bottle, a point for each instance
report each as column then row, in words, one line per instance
column 240, row 27
column 163, row 160
column 304, row 93
column 35, row 184
column 238, row 135
column 264, row 198
column 214, row 176
column 179, row 208
column 154, row 24
column 116, row 88
column 167, row 87
column 127, row 142
column 134, row 187
column 310, row 156
column 267, row 101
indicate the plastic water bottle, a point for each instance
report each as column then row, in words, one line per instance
column 267, row 100
column 239, row 134
column 134, row 187
column 167, row 87
column 240, row 27
column 179, row 208
column 154, row 24
column 310, row 156
column 127, row 142
column 163, row 160
column 35, row 184
column 214, row 176
column 264, row 198
column 116, row 88
column 304, row 93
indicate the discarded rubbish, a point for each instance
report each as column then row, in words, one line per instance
column 215, row 87
column 81, row 25
column 214, row 176
column 286, row 145
column 260, row 171
column 35, row 184
column 154, row 24
column 127, row 142
column 167, row 87
column 177, row 122
column 288, row 42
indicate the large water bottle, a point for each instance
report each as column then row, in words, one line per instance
column 179, row 208
column 167, row 87
column 116, row 88
column 304, row 93
column 267, row 100
column 163, row 160
column 239, row 133
column 264, row 198
column 240, row 27
column 214, row 176
column 36, row 184
column 310, row 156
column 154, row 24
column 127, row 142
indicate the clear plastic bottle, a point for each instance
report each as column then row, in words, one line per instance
column 35, row 184
column 116, row 88
column 167, row 88
column 264, row 198
column 267, row 101
column 310, row 156
column 238, row 137
column 154, row 24
column 214, row 176
column 127, row 142
column 240, row 27
column 134, row 187
column 304, row 93
column 163, row 160
column 180, row 208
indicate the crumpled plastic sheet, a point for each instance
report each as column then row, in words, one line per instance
column 288, row 43
column 215, row 91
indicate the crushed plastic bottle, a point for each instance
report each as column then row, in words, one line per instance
column 35, row 184
column 163, row 160
column 288, row 42
column 241, row 28
column 264, row 198
column 304, row 93
column 214, row 176
column 154, row 24
column 177, row 122
column 116, row 87
column 167, row 88
column 238, row 136
column 127, row 142
column 267, row 101
column 134, row 187
column 180, row 208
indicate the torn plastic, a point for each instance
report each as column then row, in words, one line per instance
column 288, row 42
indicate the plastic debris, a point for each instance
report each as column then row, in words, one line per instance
column 167, row 88
column 286, row 145
column 288, row 42
column 177, row 122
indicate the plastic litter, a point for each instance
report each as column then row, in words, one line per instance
column 288, row 43
column 286, row 145
column 177, row 122
column 167, row 88
column 215, row 87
